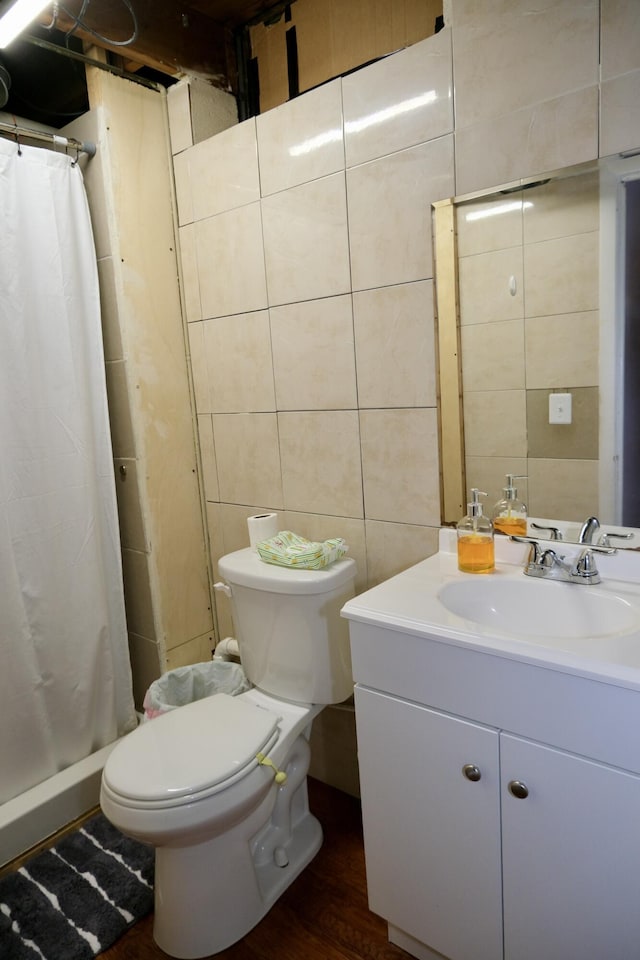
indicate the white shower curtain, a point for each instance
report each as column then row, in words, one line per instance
column 65, row 679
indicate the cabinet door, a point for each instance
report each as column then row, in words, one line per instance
column 571, row 857
column 432, row 836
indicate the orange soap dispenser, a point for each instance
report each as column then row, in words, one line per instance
column 510, row 514
column 476, row 552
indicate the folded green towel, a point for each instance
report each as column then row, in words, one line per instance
column 287, row 549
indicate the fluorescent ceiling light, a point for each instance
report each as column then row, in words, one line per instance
column 16, row 15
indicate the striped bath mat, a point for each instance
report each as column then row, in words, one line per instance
column 74, row 900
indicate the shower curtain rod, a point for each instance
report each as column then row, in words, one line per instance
column 16, row 131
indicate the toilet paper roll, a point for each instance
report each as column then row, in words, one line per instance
column 261, row 527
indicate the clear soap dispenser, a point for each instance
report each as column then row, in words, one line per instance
column 510, row 514
column 476, row 552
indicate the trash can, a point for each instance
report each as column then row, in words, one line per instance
column 193, row 682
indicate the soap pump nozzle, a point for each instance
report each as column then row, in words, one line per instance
column 510, row 492
column 474, row 508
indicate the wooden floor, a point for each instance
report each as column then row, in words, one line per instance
column 322, row 916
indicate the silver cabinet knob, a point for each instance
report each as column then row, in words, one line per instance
column 471, row 772
column 518, row 789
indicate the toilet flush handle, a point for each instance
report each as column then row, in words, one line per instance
column 264, row 761
column 222, row 588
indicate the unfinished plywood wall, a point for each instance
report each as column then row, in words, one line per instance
column 316, row 40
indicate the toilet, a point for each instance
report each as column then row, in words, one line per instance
column 219, row 786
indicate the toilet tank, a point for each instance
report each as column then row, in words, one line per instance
column 293, row 642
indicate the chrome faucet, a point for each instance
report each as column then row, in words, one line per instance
column 548, row 565
column 588, row 530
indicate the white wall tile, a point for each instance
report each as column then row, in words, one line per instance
column 389, row 213
column 562, row 275
column 494, row 223
column 316, row 526
column 491, row 286
column 507, row 56
column 493, row 355
column 248, row 458
column 190, row 273
column 221, row 173
column 562, row 351
column 400, row 467
column 392, row 547
column 313, row 355
column 239, row 366
column 489, row 473
column 395, row 345
column 399, row 101
column 184, row 192
column 562, row 207
column 231, row 262
column 199, row 367
column 620, row 37
column 495, row 423
column 179, row 111
column 620, row 114
column 562, row 489
column 305, row 241
column 208, row 454
column 301, row 140
column 320, row 454
column 539, row 138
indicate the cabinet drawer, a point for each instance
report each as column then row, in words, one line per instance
column 587, row 717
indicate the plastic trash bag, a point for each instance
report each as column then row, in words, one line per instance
column 193, row 682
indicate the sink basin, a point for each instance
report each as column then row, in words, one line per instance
column 531, row 608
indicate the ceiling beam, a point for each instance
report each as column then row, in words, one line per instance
column 172, row 37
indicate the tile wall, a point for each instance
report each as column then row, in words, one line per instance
column 307, row 263
column 307, row 266
column 529, row 298
column 308, row 282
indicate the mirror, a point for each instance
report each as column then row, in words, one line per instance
column 534, row 307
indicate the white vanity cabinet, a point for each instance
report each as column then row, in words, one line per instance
column 490, row 834
column 432, row 837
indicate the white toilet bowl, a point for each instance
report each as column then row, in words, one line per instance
column 229, row 839
column 230, row 834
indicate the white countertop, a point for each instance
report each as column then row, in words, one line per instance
column 409, row 603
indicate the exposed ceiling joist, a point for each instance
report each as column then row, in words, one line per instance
column 171, row 37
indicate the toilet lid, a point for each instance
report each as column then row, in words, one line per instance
column 189, row 750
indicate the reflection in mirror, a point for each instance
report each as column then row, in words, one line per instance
column 538, row 306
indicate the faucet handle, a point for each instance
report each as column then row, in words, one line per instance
column 548, row 558
column 585, row 570
column 538, row 558
column 555, row 533
column 586, row 565
column 606, row 537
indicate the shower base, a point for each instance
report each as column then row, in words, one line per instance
column 39, row 812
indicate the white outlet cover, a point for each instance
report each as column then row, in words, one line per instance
column 559, row 408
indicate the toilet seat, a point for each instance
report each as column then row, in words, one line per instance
column 190, row 753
